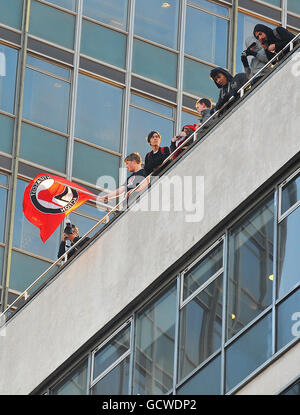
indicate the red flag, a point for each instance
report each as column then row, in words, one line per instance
column 49, row 199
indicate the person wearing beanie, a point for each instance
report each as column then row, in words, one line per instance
column 176, row 141
column 228, row 85
column 155, row 158
column 272, row 40
column 258, row 61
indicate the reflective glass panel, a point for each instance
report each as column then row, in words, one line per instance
column 11, row 13
column 157, row 21
column 154, row 348
column 293, row 390
column 48, row 67
column 46, row 100
column 212, row 7
column 187, row 118
column 33, row 143
column 67, row 4
column 274, row 2
column 288, row 320
column 8, row 70
column 206, row 37
column 140, row 124
column 249, row 352
column 200, row 328
column 75, row 383
column 154, row 63
column 115, row 382
column 3, row 179
column 203, row 270
column 205, row 382
column 98, row 112
column 44, row 18
column 27, row 236
column 197, row 80
column 290, row 194
column 91, row 210
column 110, row 12
column 293, row 6
column 3, row 196
column 102, row 43
column 288, row 253
column 1, row 265
column 112, row 351
column 250, row 267
column 7, row 130
column 84, row 224
column 89, row 164
column 152, row 105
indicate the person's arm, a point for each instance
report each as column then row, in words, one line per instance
column 114, row 193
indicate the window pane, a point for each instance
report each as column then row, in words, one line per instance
column 187, row 118
column 90, row 164
column 140, row 124
column 290, row 194
column 91, row 210
column 274, row 2
column 7, row 130
column 288, row 253
column 200, row 328
column 152, row 105
column 293, row 390
column 111, row 352
column 205, row 4
column 115, row 382
column 1, row 265
column 206, row 37
column 110, row 12
column 34, row 141
column 84, row 224
column 294, row 6
column 197, row 80
column 3, row 199
column 250, row 267
column 288, row 320
column 48, row 67
column 67, row 4
column 206, row 382
column 203, row 270
column 155, row 63
column 98, row 112
column 44, row 18
column 154, row 355
column 75, row 383
column 102, row 43
column 46, row 100
column 249, row 352
column 8, row 70
column 157, row 21
column 11, row 13
column 27, row 236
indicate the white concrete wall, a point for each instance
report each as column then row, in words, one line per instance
column 238, row 157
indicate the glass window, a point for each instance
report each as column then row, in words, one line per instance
column 67, row 4
column 44, row 18
column 154, row 63
column 98, row 113
column 206, row 37
column 27, row 236
column 293, row 6
column 203, row 271
column 274, row 2
column 102, row 43
column 154, row 348
column 140, row 124
column 116, row 382
column 207, row 381
column 250, row 267
column 293, row 390
column 84, row 224
column 248, row 352
column 7, row 130
column 1, row 266
column 48, row 67
column 46, row 100
column 211, row 7
column 110, row 12
column 288, row 320
column 200, row 328
column 151, row 105
column 197, row 80
column 290, row 194
column 33, row 143
column 8, row 70
column 75, row 383
column 91, row 210
column 189, row 119
column 3, row 199
column 11, row 13
column 89, row 164
column 288, row 253
column 157, row 21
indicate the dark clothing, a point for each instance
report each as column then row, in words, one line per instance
column 154, row 160
column 258, row 61
column 134, row 179
column 62, row 247
column 279, row 36
column 205, row 114
column 231, row 88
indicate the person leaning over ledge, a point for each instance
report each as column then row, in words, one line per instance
column 155, row 158
column 70, row 233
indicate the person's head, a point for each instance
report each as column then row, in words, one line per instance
column 220, row 79
column 189, row 129
column 261, row 36
column 263, row 33
column 203, row 104
column 133, row 162
column 71, row 231
column 154, row 138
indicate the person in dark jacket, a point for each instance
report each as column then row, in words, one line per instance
column 228, row 85
column 155, row 158
column 70, row 233
column 258, row 61
column 176, row 141
column 272, row 40
column 205, row 109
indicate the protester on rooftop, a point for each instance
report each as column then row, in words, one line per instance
column 71, row 234
column 258, row 61
column 176, row 141
column 155, row 158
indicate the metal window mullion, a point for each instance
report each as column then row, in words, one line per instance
column 284, row 6
column 132, row 355
column 274, row 288
column 176, row 343
column 180, row 71
column 233, row 36
column 224, row 312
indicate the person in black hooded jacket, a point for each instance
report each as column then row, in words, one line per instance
column 228, row 84
column 272, row 40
